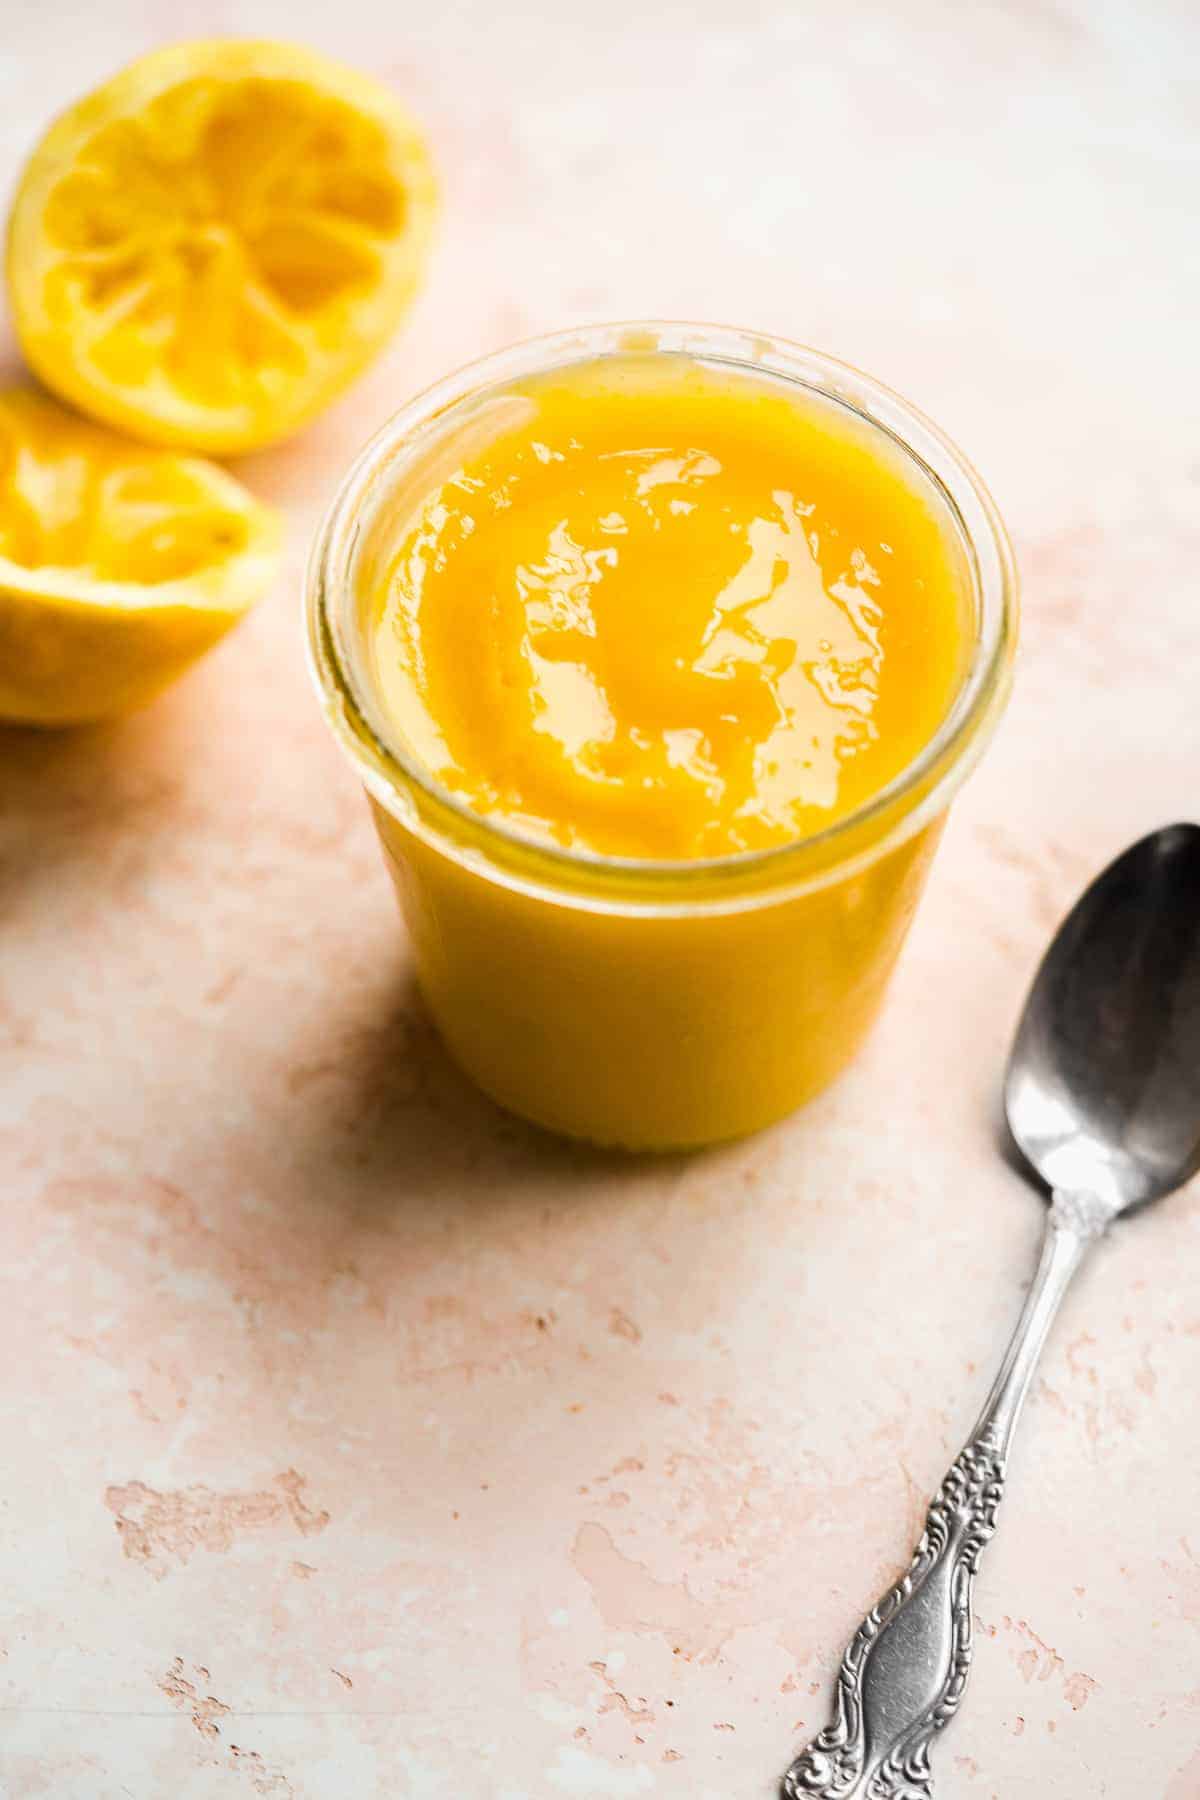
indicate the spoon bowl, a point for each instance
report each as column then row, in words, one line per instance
column 1102, row 1091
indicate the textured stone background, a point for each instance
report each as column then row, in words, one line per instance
column 359, row 1441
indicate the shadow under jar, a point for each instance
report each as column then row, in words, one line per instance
column 647, row 1001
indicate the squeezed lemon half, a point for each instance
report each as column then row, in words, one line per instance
column 205, row 251
column 119, row 565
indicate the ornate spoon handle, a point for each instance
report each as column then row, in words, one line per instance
column 905, row 1669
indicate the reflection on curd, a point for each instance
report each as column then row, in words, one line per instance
column 669, row 610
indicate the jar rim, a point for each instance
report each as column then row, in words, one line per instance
column 399, row 782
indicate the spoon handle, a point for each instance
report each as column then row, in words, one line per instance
column 906, row 1667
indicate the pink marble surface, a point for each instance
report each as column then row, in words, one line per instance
column 361, row 1442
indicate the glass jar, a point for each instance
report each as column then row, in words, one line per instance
column 648, row 1004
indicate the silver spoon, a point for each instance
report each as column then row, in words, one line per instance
column 1102, row 1098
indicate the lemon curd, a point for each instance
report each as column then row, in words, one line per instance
column 659, row 667
column 672, row 611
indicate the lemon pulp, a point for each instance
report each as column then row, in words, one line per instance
column 119, row 565
column 208, row 248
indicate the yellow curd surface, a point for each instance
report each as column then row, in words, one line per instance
column 643, row 607
column 671, row 612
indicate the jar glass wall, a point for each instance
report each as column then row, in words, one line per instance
column 651, row 1004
